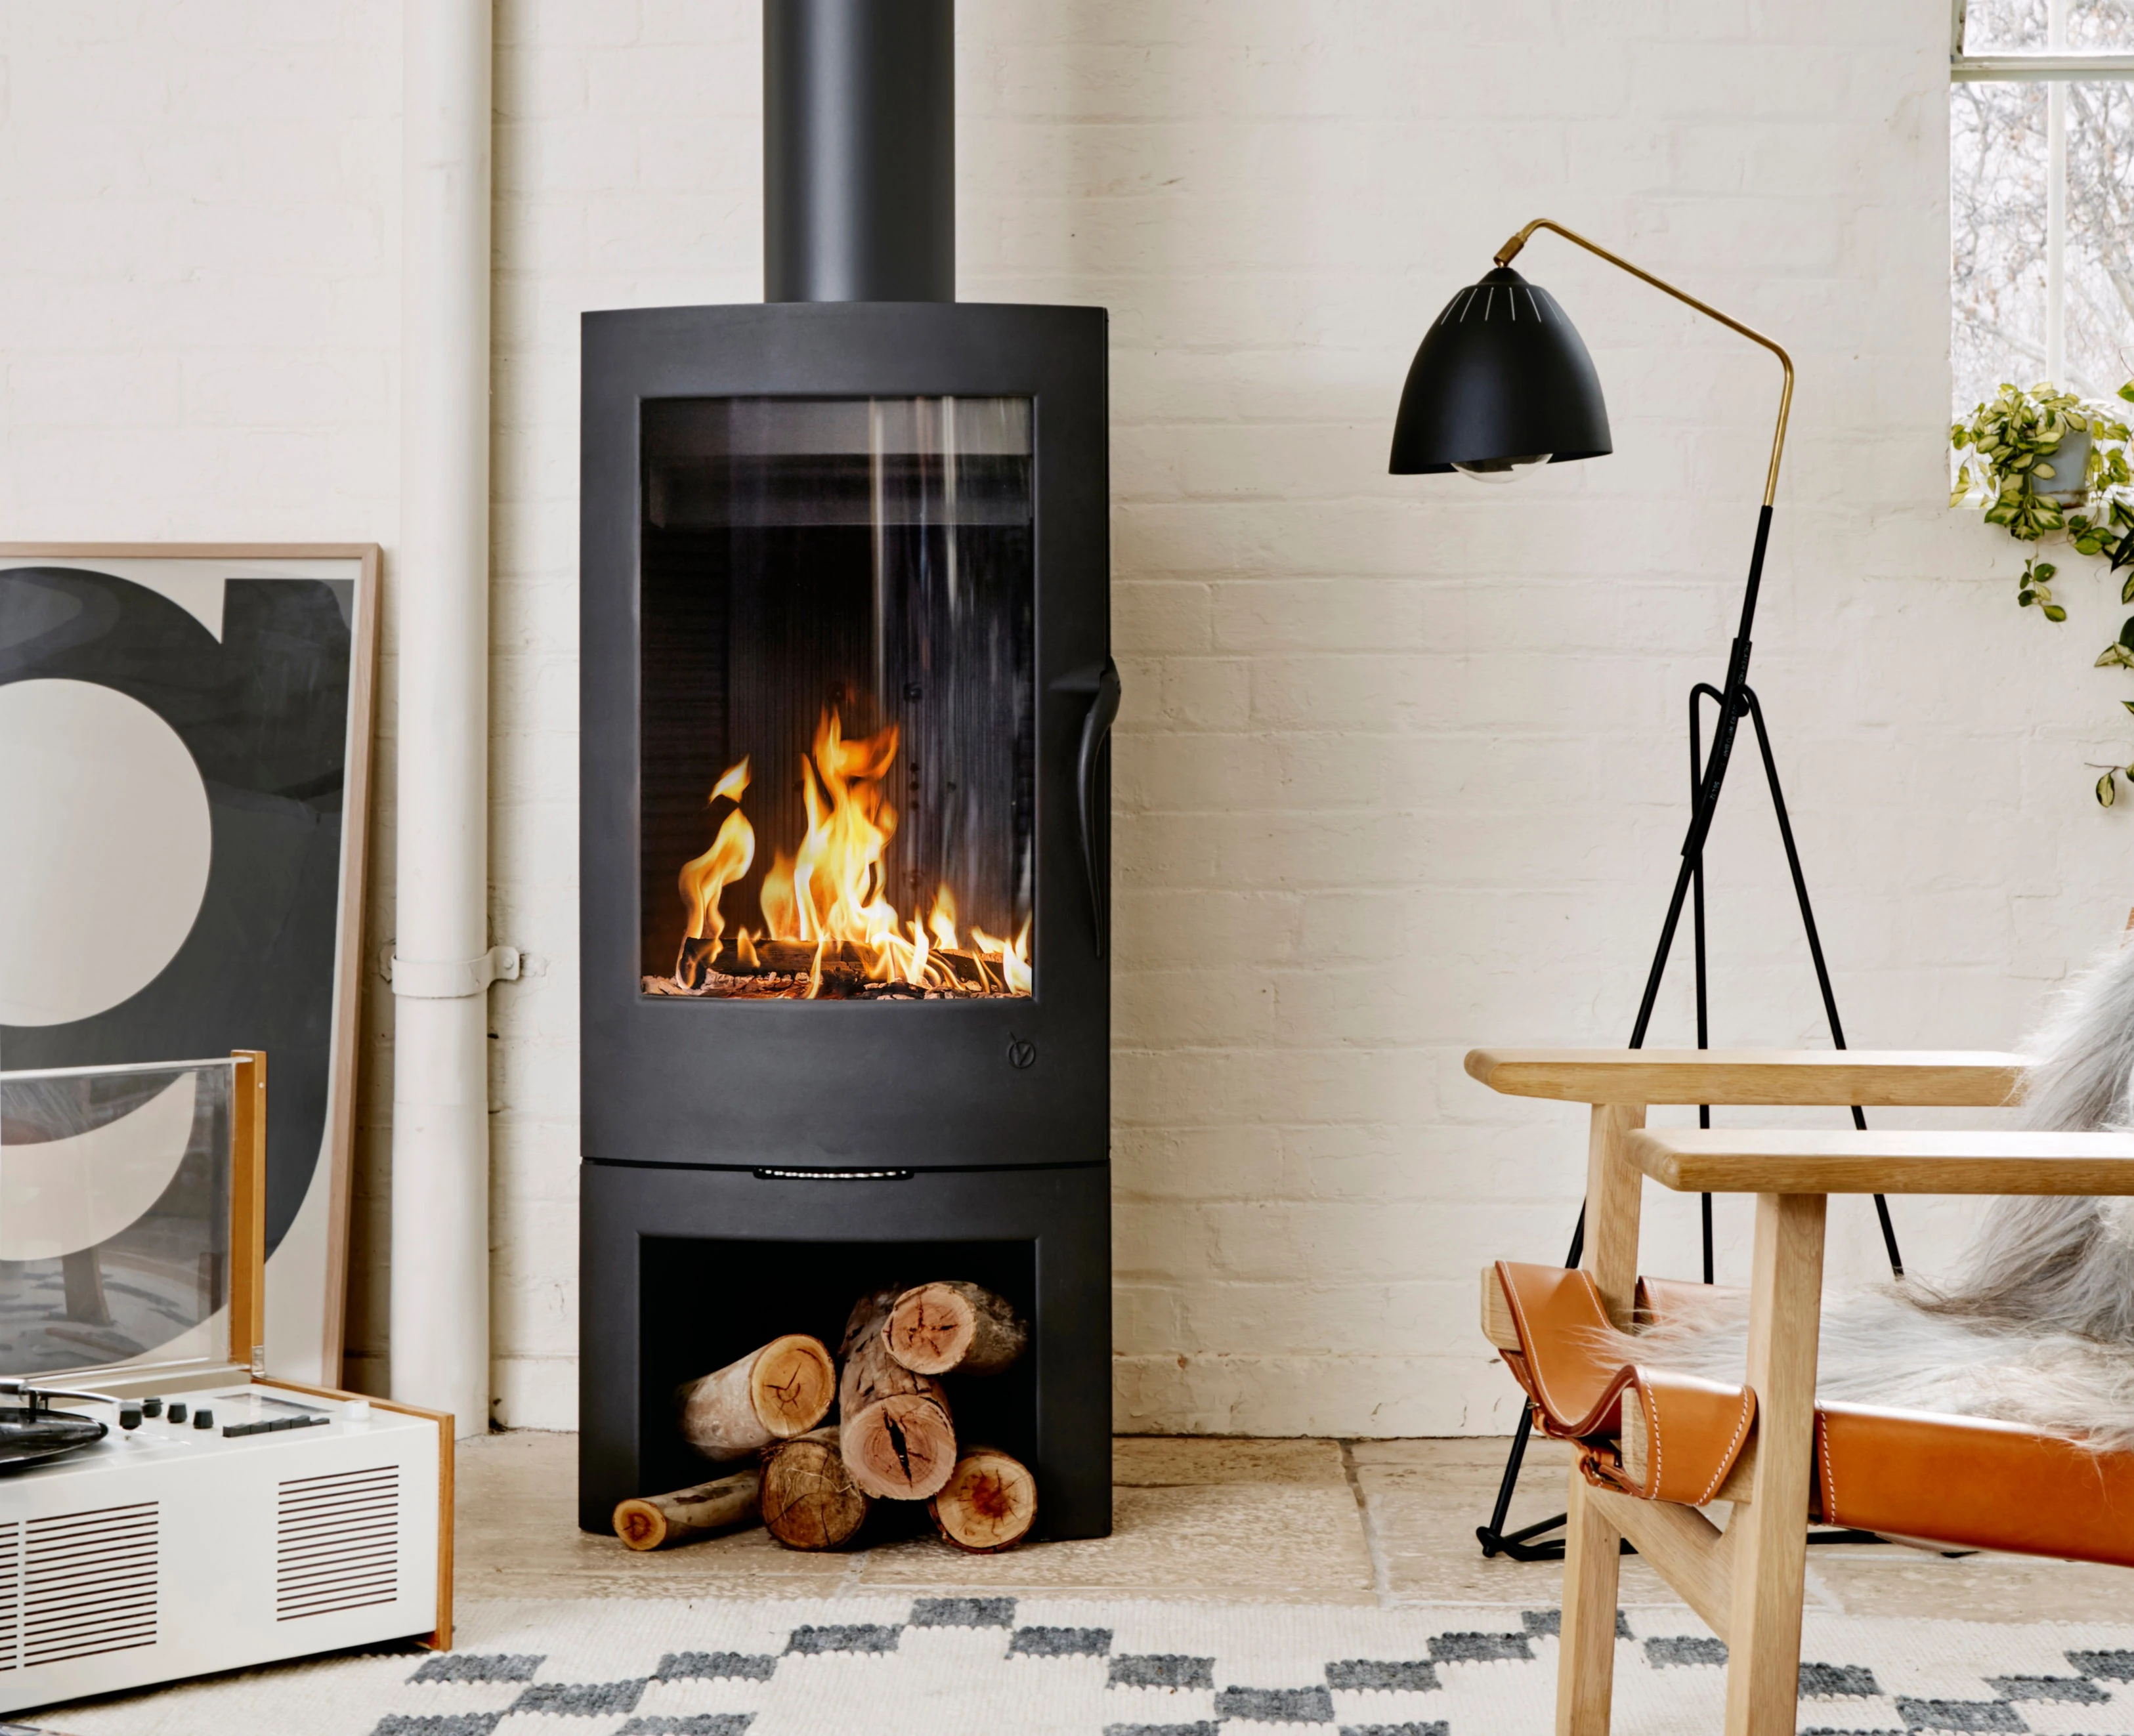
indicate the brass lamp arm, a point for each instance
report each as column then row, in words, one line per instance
column 1509, row 251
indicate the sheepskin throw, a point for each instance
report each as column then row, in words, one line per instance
column 2037, row 1324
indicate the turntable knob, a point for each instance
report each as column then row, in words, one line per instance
column 130, row 1415
column 203, row 1418
column 152, row 1407
column 177, row 1410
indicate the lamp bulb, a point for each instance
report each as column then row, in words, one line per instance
column 1501, row 469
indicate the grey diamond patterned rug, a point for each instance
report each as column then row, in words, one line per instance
column 988, row 1666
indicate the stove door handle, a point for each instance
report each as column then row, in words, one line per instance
column 1089, row 764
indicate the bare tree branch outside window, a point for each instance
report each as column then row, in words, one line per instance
column 1997, row 221
column 2100, row 220
column 2001, row 193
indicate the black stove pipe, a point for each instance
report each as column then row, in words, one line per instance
column 859, row 151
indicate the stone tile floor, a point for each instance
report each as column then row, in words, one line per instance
column 1374, row 1522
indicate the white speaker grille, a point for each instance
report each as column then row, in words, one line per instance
column 89, row 1584
column 337, row 1543
column 11, row 1594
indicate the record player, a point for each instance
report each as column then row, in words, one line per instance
column 166, row 1509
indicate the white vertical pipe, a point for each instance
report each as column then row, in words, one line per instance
column 2056, row 106
column 440, row 1256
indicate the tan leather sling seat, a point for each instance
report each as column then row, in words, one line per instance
column 1963, row 1481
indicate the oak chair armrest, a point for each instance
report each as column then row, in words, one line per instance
column 1872, row 1078
column 1847, row 1160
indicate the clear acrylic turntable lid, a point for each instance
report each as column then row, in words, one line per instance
column 130, row 1216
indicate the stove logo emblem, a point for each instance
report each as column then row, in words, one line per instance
column 1021, row 1052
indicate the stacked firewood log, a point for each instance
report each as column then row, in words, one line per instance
column 814, row 1487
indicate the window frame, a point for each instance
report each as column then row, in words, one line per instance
column 2055, row 70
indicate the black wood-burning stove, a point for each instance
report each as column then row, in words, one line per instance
column 844, row 792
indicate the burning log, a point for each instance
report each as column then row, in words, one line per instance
column 785, row 958
column 895, row 1432
column 652, row 1520
column 955, row 1327
column 783, row 1390
column 988, row 1503
column 843, row 963
column 781, row 986
column 810, row 1499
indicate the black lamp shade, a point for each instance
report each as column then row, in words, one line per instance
column 1502, row 375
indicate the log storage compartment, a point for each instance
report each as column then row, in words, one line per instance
column 709, row 1266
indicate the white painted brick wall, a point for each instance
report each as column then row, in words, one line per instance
column 1401, row 766
column 199, row 321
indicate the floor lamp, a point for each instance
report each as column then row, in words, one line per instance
column 1502, row 381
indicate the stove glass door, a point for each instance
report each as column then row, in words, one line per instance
column 837, row 715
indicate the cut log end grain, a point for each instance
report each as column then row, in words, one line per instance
column 902, row 1447
column 641, row 1524
column 809, row 1501
column 988, row 1503
column 931, row 1328
column 792, row 1385
column 937, row 1328
column 650, row 1522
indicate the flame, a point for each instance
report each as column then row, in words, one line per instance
column 732, row 782
column 921, row 949
column 1013, row 957
column 830, row 893
column 726, row 861
column 942, row 921
column 780, row 912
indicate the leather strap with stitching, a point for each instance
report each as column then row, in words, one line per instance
column 1577, row 1368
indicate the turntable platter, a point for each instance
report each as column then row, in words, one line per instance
column 29, row 1437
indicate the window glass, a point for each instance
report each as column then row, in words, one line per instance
column 2041, row 205
column 1996, row 215
column 2099, row 296
column 2025, row 27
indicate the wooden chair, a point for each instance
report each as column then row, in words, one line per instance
column 1768, row 1447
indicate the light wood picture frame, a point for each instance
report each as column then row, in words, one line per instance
column 187, row 728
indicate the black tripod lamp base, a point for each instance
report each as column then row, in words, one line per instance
column 1519, row 1545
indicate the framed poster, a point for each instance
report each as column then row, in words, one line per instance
column 185, row 750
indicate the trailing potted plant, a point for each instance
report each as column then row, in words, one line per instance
column 2045, row 464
